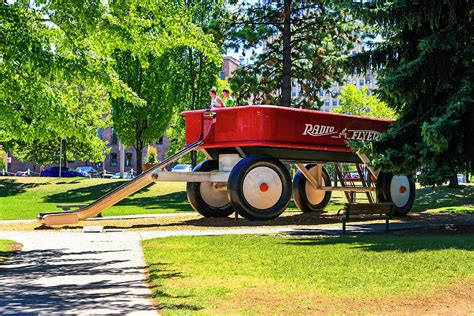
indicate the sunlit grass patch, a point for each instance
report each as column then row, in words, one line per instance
column 220, row 274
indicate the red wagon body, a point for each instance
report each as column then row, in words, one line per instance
column 284, row 133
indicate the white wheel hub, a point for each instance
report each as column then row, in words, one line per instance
column 213, row 197
column 400, row 190
column 262, row 187
column 314, row 195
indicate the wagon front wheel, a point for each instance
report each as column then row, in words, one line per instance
column 259, row 187
column 204, row 197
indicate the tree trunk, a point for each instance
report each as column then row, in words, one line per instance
column 453, row 182
column 64, row 153
column 286, row 76
column 468, row 177
column 193, row 159
column 139, row 151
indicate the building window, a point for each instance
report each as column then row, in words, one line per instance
column 368, row 92
column 114, row 137
column 328, row 92
column 99, row 133
column 334, row 102
column 321, row 93
column 354, row 53
column 361, row 82
column 326, row 103
column 293, row 94
column 354, row 82
column 128, row 160
column 113, row 159
column 367, row 81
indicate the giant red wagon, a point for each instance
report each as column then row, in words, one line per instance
column 251, row 143
column 249, row 152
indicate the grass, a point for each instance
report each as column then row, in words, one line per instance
column 25, row 198
column 7, row 248
column 277, row 274
column 445, row 200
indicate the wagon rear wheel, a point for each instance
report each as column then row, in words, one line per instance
column 306, row 196
column 400, row 190
column 205, row 198
column 259, row 187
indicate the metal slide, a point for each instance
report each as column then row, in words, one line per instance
column 114, row 196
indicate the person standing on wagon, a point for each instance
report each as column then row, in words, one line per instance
column 228, row 101
column 216, row 102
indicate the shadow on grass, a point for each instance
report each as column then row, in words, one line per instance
column 159, row 272
column 81, row 195
column 10, row 187
column 175, row 200
column 443, row 197
column 379, row 243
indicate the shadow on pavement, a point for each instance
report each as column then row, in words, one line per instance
column 23, row 289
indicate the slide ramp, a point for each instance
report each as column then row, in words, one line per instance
column 112, row 197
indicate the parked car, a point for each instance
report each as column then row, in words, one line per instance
column 54, row 172
column 22, row 174
column 353, row 176
column 182, row 168
column 86, row 171
column 126, row 175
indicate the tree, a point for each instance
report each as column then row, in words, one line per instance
column 154, row 73
column 50, row 87
column 197, row 72
column 304, row 41
column 426, row 74
column 358, row 102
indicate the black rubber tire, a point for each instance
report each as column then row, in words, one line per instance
column 299, row 192
column 193, row 190
column 236, row 192
column 384, row 181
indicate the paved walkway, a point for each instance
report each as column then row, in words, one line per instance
column 79, row 273
column 75, row 273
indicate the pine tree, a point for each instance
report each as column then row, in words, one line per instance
column 303, row 41
column 426, row 75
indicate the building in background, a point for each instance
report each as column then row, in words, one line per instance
column 229, row 66
column 111, row 163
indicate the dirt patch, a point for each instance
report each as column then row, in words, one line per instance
column 454, row 298
column 291, row 219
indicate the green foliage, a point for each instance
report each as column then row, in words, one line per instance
column 358, row 102
column 152, row 155
column 302, row 41
column 196, row 72
column 426, row 75
column 49, row 87
column 3, row 159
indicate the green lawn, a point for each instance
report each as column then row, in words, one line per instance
column 25, row 198
column 277, row 274
column 6, row 249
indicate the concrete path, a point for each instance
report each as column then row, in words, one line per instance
column 79, row 273
column 75, row 273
